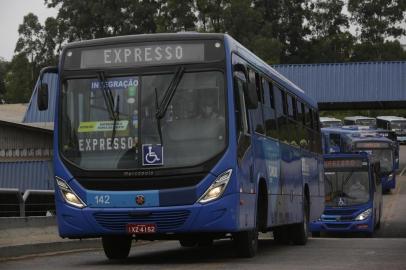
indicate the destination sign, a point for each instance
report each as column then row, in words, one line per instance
column 142, row 55
column 372, row 145
column 343, row 163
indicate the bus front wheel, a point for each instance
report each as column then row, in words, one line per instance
column 246, row 243
column 116, row 246
column 300, row 231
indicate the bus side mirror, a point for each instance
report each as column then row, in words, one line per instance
column 42, row 97
column 43, row 89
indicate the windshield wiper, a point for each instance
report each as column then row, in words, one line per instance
column 170, row 91
column 107, row 94
column 166, row 99
column 112, row 106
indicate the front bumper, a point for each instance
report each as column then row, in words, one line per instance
column 342, row 226
column 217, row 216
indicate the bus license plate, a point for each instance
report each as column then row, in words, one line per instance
column 141, row 228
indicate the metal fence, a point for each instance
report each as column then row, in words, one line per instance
column 13, row 203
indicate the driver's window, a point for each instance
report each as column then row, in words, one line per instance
column 240, row 109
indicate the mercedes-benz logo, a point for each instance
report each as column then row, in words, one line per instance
column 140, row 199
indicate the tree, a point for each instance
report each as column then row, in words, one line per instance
column 385, row 51
column 327, row 18
column 18, row 81
column 3, row 69
column 29, row 43
column 287, row 19
column 378, row 20
column 176, row 15
column 211, row 14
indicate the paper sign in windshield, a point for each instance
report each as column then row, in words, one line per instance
column 101, row 126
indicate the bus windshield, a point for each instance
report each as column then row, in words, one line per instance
column 346, row 188
column 331, row 124
column 385, row 157
column 366, row 122
column 398, row 125
column 192, row 128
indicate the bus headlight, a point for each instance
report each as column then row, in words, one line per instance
column 68, row 194
column 364, row 215
column 217, row 188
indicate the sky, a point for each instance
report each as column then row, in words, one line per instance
column 11, row 16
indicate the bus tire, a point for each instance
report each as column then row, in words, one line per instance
column 281, row 235
column 116, row 247
column 246, row 243
column 378, row 224
column 300, row 231
column 205, row 242
column 315, row 234
column 188, row 243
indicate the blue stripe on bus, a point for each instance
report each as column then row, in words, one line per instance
column 113, row 199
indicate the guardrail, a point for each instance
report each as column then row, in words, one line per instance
column 13, row 203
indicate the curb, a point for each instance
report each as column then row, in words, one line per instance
column 13, row 252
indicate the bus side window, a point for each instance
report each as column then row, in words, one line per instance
column 241, row 113
column 280, row 104
column 271, row 128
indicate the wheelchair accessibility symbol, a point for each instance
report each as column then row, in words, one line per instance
column 152, row 155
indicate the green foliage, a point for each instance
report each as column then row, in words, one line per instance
column 378, row 19
column 3, row 70
column 388, row 51
column 18, row 80
column 282, row 31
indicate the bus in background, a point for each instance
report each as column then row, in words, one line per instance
column 187, row 137
column 330, row 122
column 393, row 123
column 380, row 148
column 360, row 120
column 376, row 132
column 353, row 195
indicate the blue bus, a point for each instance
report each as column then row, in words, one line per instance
column 347, row 140
column 187, row 137
column 353, row 195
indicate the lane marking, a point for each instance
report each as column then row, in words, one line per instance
column 403, row 171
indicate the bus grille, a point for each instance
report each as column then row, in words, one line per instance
column 165, row 220
column 337, row 225
column 340, row 212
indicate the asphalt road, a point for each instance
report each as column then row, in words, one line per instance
column 385, row 251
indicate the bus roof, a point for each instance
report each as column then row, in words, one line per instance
column 326, row 119
column 358, row 135
column 359, row 117
column 391, row 118
column 230, row 44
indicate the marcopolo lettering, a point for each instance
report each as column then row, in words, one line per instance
column 142, row 55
